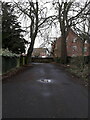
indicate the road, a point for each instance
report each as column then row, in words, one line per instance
column 43, row 91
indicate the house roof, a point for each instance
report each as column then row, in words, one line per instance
column 39, row 49
column 70, row 31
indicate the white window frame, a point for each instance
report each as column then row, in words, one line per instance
column 74, row 40
column 74, row 48
column 85, row 49
column 86, row 41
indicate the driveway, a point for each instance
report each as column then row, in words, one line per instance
column 43, row 91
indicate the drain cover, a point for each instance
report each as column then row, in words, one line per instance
column 45, row 80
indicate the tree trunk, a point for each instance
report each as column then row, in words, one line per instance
column 63, row 50
column 30, row 50
column 63, row 46
column 33, row 33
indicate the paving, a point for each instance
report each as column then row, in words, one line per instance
column 43, row 90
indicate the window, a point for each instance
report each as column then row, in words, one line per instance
column 67, row 38
column 85, row 49
column 74, row 55
column 74, row 48
column 86, row 41
column 75, row 39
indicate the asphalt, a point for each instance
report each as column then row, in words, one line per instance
column 43, row 91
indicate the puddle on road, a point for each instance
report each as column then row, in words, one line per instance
column 45, row 80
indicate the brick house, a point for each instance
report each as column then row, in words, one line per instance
column 74, row 45
column 39, row 52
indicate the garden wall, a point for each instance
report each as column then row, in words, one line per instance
column 9, row 63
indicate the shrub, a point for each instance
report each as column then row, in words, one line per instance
column 6, row 52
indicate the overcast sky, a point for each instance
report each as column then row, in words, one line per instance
column 53, row 32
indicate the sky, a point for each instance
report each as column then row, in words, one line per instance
column 53, row 32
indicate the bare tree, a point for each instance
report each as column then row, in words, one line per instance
column 83, row 32
column 69, row 15
column 38, row 19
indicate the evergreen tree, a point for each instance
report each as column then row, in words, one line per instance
column 12, row 37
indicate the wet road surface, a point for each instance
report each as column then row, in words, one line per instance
column 43, row 91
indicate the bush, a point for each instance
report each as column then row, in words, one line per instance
column 9, row 60
column 79, row 67
column 6, row 52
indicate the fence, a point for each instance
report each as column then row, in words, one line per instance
column 9, row 63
